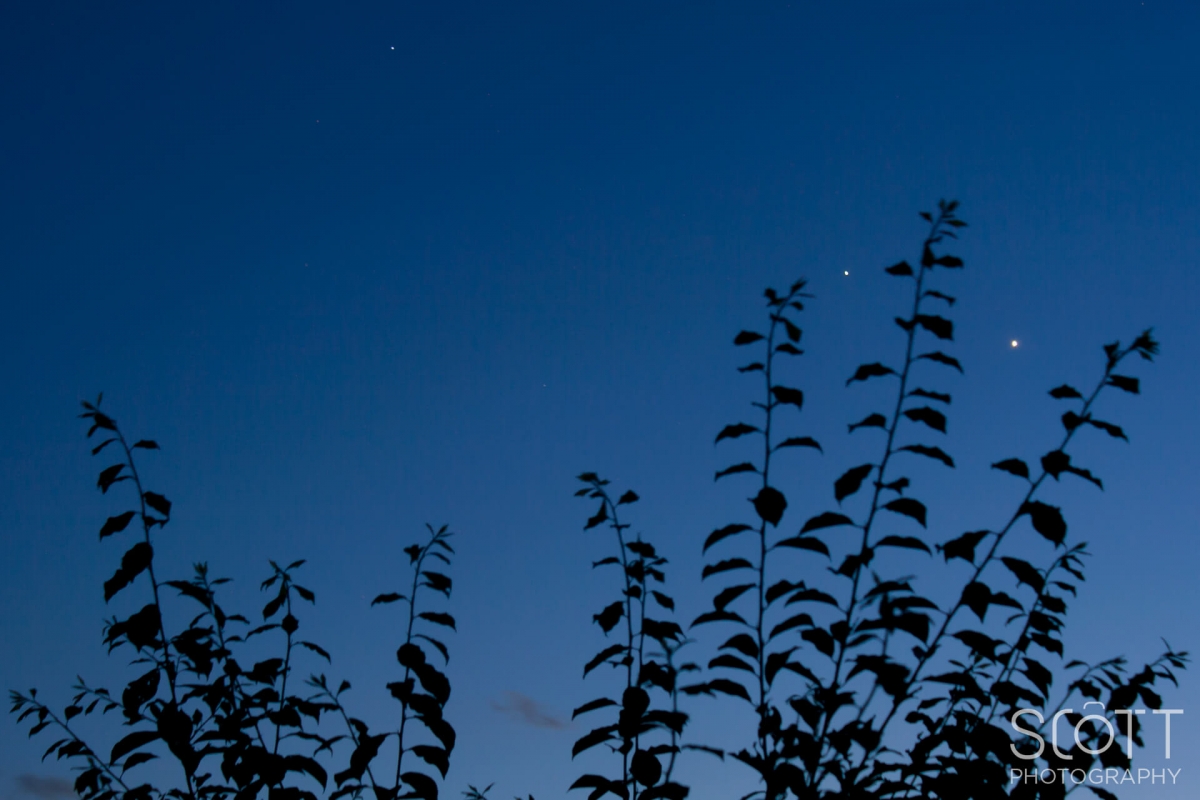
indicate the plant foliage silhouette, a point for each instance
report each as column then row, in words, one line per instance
column 237, row 732
column 643, row 773
column 860, row 685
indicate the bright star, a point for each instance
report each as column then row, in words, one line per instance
column 1014, row 342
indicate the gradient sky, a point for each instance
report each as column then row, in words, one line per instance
column 363, row 267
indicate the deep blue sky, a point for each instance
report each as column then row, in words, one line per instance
column 361, row 268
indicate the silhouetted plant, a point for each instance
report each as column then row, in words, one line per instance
column 641, row 764
column 837, row 745
column 860, row 686
column 233, row 731
column 755, row 651
column 859, row 695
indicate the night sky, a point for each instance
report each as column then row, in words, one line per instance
column 364, row 267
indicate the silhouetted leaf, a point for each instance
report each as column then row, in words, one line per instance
column 116, row 524
column 159, row 503
column 820, row 639
column 325, row 655
column 725, row 566
column 940, row 327
column 734, row 431
column 1124, row 383
column 899, row 269
column 108, row 477
column 1055, row 462
column 299, row 763
column 628, row 497
column 610, row 616
column 787, row 396
column 645, row 768
column 930, row 452
column 869, row 421
column 795, row 621
column 1025, row 572
column 1047, row 520
column 602, row 702
column 931, row 293
column 727, row 661
column 600, row 516
column 979, row 643
column 423, row 787
column 850, row 481
column 963, row 547
column 726, row 686
column 801, row 441
column 438, row 618
column 435, row 581
column 717, row 616
column 910, row 542
column 942, row 358
column 663, row 600
column 775, row 662
column 1013, row 465
column 890, row 676
column 140, row 629
column 724, row 533
column 874, row 370
column 1112, row 430
column 145, row 444
column 135, row 759
column 747, row 337
column 770, row 504
column 728, row 595
column 949, row 261
column 976, row 596
column 806, row 595
column 793, row 333
column 133, row 563
column 1065, row 392
column 745, row 466
column 132, row 742
column 804, row 543
column 789, row 348
column 828, row 519
column 602, row 656
column 939, row 396
column 909, row 508
column 929, row 416
column 742, row 642
column 391, row 597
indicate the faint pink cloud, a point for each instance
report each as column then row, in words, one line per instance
column 45, row 788
column 525, row 709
